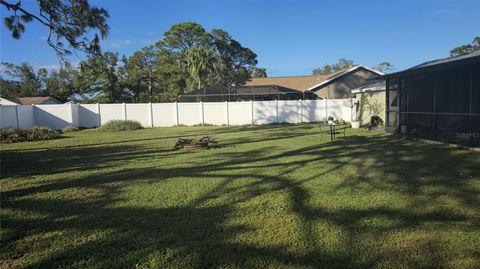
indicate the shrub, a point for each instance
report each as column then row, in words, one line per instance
column 6, row 132
column 41, row 133
column 9, row 135
column 69, row 129
column 120, row 125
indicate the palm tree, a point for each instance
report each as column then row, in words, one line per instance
column 199, row 62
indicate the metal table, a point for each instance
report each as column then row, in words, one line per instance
column 333, row 130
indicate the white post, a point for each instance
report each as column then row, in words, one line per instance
column 99, row 115
column 276, row 110
column 227, row 120
column 301, row 110
column 326, row 109
column 176, row 114
column 124, row 111
column 202, row 118
column 70, row 113
column 251, row 113
column 34, row 115
column 150, row 114
column 16, row 115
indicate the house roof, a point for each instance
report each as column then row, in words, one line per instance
column 31, row 100
column 375, row 86
column 306, row 83
column 473, row 57
column 241, row 90
column 343, row 73
column 299, row 83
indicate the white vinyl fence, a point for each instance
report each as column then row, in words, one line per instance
column 172, row 114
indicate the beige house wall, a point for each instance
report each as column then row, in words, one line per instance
column 343, row 86
column 370, row 104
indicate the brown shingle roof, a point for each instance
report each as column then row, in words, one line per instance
column 301, row 83
column 30, row 100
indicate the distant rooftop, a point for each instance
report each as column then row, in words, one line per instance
column 32, row 100
column 306, row 83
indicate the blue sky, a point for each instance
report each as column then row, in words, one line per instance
column 290, row 38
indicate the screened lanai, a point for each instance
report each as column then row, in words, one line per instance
column 437, row 100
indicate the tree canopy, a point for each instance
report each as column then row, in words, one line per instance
column 384, row 67
column 23, row 80
column 185, row 59
column 466, row 49
column 342, row 64
column 69, row 23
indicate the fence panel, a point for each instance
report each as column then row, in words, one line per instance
column 189, row 114
column 140, row 113
column 8, row 116
column 314, row 110
column 239, row 113
column 214, row 113
column 53, row 116
column 290, row 111
column 110, row 112
column 265, row 112
column 338, row 110
column 26, row 117
column 164, row 115
column 88, row 115
column 170, row 114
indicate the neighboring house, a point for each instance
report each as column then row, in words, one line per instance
column 242, row 93
column 46, row 100
column 438, row 100
column 337, row 85
column 371, row 99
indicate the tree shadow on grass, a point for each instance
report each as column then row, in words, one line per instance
column 198, row 234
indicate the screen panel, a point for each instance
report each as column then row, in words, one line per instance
column 421, row 92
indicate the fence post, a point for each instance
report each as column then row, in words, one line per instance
column 176, row 114
column 202, row 119
column 150, row 114
column 16, row 115
column 227, row 120
column 326, row 109
column 34, row 117
column 99, row 115
column 124, row 111
column 70, row 113
column 301, row 110
column 276, row 110
column 251, row 113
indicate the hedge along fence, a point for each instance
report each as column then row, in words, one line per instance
column 172, row 114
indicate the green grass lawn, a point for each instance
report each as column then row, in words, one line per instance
column 276, row 196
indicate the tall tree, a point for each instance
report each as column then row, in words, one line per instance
column 60, row 83
column 200, row 62
column 466, row 49
column 99, row 76
column 23, row 79
column 342, row 64
column 236, row 59
column 68, row 21
column 141, row 74
column 183, row 36
column 384, row 67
